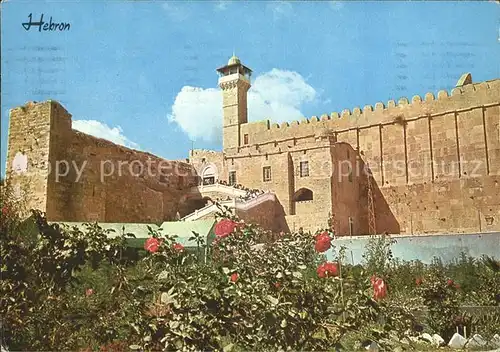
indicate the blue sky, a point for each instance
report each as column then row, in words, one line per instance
column 143, row 73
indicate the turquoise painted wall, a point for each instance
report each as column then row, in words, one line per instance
column 425, row 248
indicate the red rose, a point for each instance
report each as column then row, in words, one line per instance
column 449, row 282
column 379, row 288
column 5, row 210
column 418, row 281
column 457, row 286
column 277, row 285
column 152, row 244
column 321, row 235
column 234, row 277
column 89, row 292
column 327, row 269
column 178, row 247
column 224, row 227
column 323, row 244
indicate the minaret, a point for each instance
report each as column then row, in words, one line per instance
column 235, row 82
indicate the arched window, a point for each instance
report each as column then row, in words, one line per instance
column 303, row 194
column 209, row 174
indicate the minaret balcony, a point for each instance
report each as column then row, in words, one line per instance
column 233, row 77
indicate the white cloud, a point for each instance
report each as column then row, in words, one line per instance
column 101, row 130
column 198, row 112
column 276, row 95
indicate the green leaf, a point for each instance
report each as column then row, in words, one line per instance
column 163, row 275
column 228, row 347
column 274, row 301
column 166, row 298
column 173, row 324
column 171, row 290
column 178, row 343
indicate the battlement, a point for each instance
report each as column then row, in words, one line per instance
column 459, row 98
column 197, row 152
column 34, row 104
column 390, row 106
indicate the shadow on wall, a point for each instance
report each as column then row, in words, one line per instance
column 191, row 202
column 385, row 220
column 384, row 217
column 279, row 218
column 269, row 215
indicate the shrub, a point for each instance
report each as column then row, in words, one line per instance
column 66, row 289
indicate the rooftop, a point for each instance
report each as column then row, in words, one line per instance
column 234, row 60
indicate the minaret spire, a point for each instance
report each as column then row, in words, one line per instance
column 234, row 82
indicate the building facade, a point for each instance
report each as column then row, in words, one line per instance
column 426, row 165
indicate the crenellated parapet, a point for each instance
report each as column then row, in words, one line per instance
column 459, row 98
column 203, row 152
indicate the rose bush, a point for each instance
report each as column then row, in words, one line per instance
column 323, row 242
column 152, row 244
column 379, row 288
column 178, row 247
column 65, row 289
column 327, row 269
column 225, row 227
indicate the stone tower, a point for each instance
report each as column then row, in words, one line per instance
column 235, row 82
column 36, row 144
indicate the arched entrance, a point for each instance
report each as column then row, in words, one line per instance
column 209, row 175
column 302, row 195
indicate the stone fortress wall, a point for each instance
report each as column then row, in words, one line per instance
column 435, row 163
column 98, row 180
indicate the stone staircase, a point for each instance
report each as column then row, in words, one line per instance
column 210, row 190
column 233, row 204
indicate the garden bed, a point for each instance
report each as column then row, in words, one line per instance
column 81, row 289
